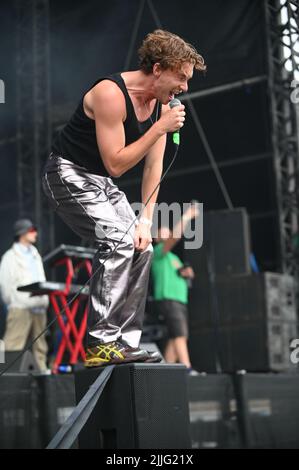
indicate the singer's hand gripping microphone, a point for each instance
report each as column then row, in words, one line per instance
column 176, row 134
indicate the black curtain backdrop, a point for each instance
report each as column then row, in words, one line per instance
column 90, row 39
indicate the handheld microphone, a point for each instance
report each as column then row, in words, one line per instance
column 176, row 134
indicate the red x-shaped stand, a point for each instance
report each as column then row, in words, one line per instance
column 72, row 335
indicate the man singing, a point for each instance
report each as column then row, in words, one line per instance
column 122, row 119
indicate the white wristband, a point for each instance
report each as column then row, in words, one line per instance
column 145, row 221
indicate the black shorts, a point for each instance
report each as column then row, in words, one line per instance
column 175, row 316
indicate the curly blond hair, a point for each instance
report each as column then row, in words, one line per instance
column 169, row 50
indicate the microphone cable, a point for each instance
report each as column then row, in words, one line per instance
column 29, row 346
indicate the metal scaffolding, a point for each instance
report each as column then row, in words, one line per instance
column 282, row 34
column 34, row 121
column 33, row 112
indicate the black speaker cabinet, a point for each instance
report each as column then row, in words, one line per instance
column 268, row 410
column 19, row 416
column 213, row 412
column 226, row 243
column 25, row 364
column 143, row 406
column 56, row 400
column 255, row 323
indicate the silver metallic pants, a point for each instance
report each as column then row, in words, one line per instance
column 98, row 211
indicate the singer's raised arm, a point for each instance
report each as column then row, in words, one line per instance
column 109, row 109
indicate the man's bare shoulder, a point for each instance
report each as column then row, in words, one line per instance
column 107, row 95
column 106, row 89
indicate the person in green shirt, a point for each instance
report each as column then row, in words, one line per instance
column 170, row 288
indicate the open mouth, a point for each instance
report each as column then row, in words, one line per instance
column 173, row 93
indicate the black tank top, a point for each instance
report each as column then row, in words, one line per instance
column 77, row 140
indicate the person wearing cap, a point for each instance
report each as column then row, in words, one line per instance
column 27, row 316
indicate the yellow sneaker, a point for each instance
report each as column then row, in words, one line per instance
column 113, row 353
